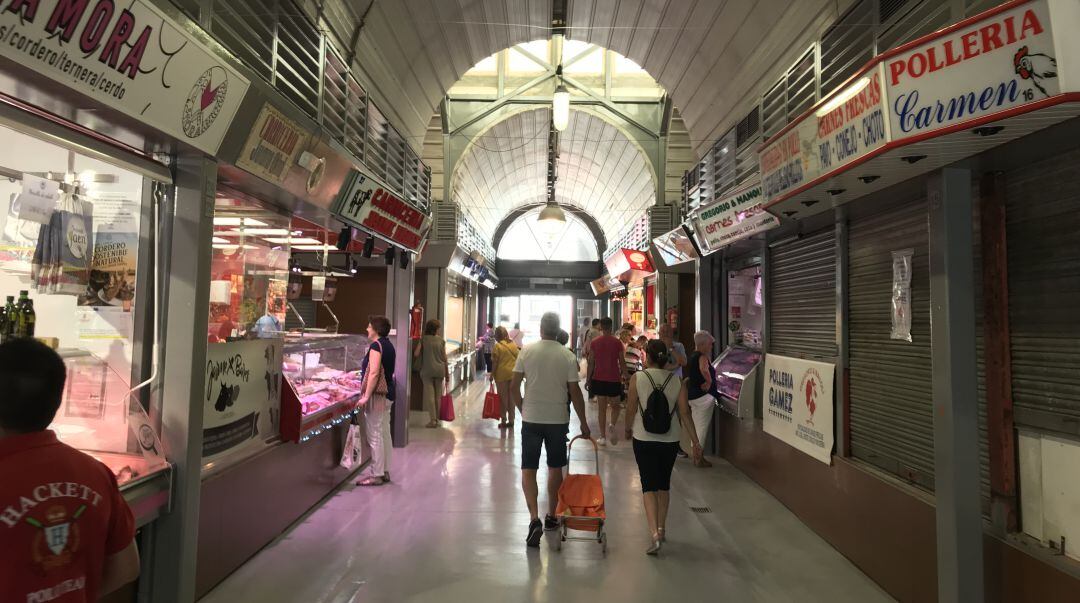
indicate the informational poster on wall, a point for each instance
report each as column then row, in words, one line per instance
column 901, row 294
column 241, row 396
column 798, row 406
column 116, row 251
column 454, row 329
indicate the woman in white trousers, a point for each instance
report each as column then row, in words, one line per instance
column 700, row 383
column 376, row 400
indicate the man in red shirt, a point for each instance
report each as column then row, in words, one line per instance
column 66, row 534
column 606, row 368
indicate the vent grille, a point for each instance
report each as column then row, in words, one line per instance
column 662, row 219
column 923, row 18
column 888, row 8
column 247, row 28
column 700, row 510
column 847, row 46
column 297, row 66
column 445, row 221
column 723, row 158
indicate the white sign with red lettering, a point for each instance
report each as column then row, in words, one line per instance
column 368, row 204
column 848, row 126
column 993, row 65
column 129, row 56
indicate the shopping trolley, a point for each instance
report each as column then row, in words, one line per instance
column 581, row 502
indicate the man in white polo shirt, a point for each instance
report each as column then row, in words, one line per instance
column 550, row 373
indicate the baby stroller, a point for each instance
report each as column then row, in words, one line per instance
column 581, row 503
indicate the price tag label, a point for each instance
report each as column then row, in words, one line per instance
column 38, row 199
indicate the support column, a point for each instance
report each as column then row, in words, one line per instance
column 186, row 302
column 399, row 298
column 955, row 395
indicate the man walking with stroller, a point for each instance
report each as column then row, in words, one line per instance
column 549, row 373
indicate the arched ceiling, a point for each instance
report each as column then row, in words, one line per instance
column 711, row 55
column 600, row 170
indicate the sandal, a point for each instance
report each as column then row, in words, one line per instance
column 432, row 425
column 371, row 481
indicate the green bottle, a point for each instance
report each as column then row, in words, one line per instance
column 12, row 312
column 4, row 321
column 27, row 319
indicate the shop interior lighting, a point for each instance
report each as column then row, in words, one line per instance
column 251, row 232
column 351, row 263
column 790, row 213
column 810, row 202
column 319, row 247
column 868, row 179
column 235, row 221
column 987, row 130
column 232, row 246
column 913, row 158
column 369, row 247
column 403, row 260
column 389, row 256
column 295, row 242
column 837, row 101
column 560, row 107
column 836, row 191
column 219, row 240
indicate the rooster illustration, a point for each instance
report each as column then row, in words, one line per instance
column 1035, row 66
column 811, row 391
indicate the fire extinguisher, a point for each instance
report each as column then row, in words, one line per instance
column 416, row 321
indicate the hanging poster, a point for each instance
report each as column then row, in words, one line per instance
column 116, row 251
column 798, row 406
column 130, row 57
column 38, row 199
column 241, row 395
column 901, row 294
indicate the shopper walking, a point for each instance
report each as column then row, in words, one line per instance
column 67, row 532
column 434, row 369
column 606, row 367
column 653, row 392
column 376, row 400
column 487, row 344
column 589, row 331
column 701, row 381
column 517, row 335
column 504, row 355
column 549, row 373
column 676, row 350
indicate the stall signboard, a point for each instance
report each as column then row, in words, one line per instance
column 848, row 126
column 798, row 404
column 130, row 57
column 675, row 247
column 992, row 65
column 629, row 265
column 273, row 145
column 368, row 204
column 735, row 217
column 242, row 394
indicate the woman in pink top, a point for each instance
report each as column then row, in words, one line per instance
column 606, row 367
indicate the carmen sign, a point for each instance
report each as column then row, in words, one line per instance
column 367, row 204
column 733, row 218
column 128, row 56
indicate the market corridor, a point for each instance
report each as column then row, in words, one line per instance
column 451, row 528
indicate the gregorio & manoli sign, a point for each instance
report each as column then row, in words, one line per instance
column 733, row 218
column 129, row 56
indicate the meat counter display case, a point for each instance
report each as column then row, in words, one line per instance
column 736, row 380
column 323, row 374
column 99, row 417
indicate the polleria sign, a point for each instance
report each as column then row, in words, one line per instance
column 990, row 66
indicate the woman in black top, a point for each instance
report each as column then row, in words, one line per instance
column 376, row 399
column 701, row 382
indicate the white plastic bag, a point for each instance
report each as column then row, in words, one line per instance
column 350, row 458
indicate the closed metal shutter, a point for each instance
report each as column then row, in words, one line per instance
column 890, row 383
column 801, row 306
column 1042, row 226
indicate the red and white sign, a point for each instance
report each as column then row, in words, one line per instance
column 849, row 125
column 989, row 66
column 798, row 404
column 629, row 265
column 367, row 204
column 735, row 217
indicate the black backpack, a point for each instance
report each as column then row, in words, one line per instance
column 655, row 416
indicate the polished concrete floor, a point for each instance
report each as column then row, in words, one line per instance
column 451, row 528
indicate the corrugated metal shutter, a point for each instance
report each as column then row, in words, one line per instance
column 802, row 297
column 890, row 386
column 1043, row 219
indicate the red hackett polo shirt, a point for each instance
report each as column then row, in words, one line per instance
column 61, row 515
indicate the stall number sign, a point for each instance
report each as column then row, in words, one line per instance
column 990, row 66
column 365, row 203
column 798, row 407
column 128, row 56
column 731, row 219
column 848, row 126
column 272, row 146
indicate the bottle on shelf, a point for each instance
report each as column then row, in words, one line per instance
column 4, row 322
column 11, row 311
column 27, row 319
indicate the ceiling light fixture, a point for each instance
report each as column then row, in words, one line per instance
column 560, row 106
column 389, row 256
column 369, row 247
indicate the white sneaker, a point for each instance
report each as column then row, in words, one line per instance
column 601, row 442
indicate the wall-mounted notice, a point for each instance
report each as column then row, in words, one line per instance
column 798, row 406
column 901, row 294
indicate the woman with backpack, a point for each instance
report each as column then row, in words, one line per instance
column 655, row 394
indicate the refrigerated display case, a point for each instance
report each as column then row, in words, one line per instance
column 99, row 417
column 736, row 380
column 324, row 382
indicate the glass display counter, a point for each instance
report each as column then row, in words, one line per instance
column 324, row 382
column 99, row 417
column 736, row 380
